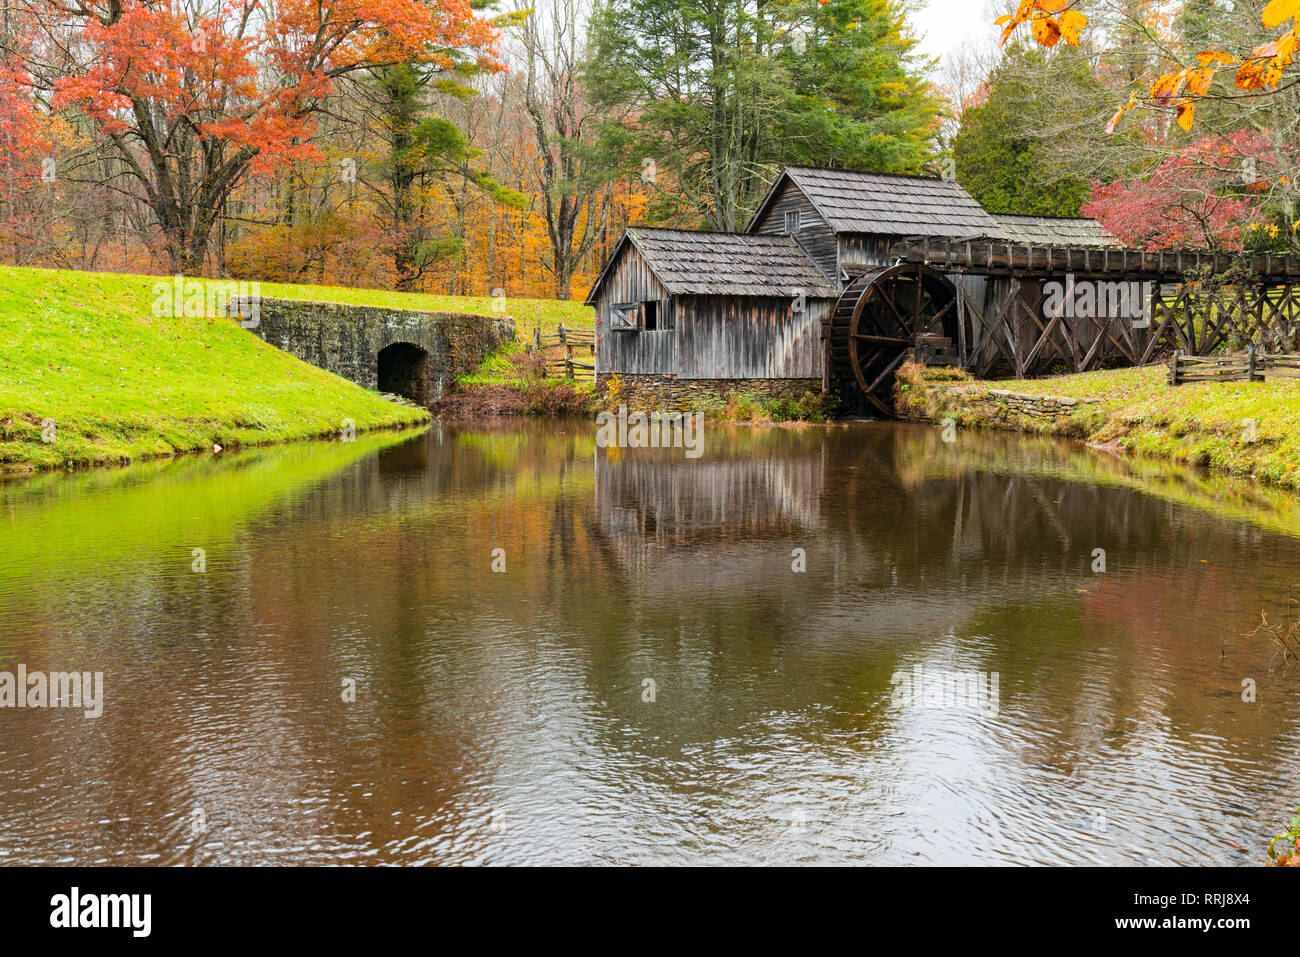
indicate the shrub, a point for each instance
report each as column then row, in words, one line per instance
column 1289, row 855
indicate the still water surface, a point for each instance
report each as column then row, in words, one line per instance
column 503, row 717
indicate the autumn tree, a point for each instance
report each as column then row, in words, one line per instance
column 1209, row 133
column 1194, row 199
column 576, row 184
column 25, row 152
column 196, row 96
column 1188, row 76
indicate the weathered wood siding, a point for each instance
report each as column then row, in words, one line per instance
column 639, row 353
column 859, row 252
column 710, row 337
column 642, row 353
column 815, row 236
column 735, row 337
column 654, row 507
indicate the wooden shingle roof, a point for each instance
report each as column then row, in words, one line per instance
column 725, row 264
column 889, row 204
column 1052, row 230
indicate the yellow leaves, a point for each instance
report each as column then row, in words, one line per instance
column 1046, row 31
column 1050, row 21
column 1114, row 120
column 1279, row 12
column 1011, row 21
column 1192, row 83
column 1166, row 87
column 1072, row 22
column 1198, row 81
column 1266, row 64
column 1263, row 69
column 1212, row 57
column 1251, row 75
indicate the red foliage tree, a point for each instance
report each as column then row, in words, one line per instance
column 193, row 99
column 25, row 148
column 1199, row 197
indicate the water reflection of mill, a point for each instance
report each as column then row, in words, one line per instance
column 981, row 556
column 910, row 539
column 868, row 504
column 774, row 686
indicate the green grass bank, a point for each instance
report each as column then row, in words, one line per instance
column 89, row 376
column 1249, row 430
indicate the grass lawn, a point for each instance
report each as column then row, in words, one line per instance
column 1246, row 429
column 83, row 352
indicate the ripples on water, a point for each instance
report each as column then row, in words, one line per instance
column 499, row 718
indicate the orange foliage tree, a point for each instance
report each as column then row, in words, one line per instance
column 194, row 97
column 24, row 152
column 1262, row 69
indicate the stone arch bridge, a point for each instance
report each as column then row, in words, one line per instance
column 409, row 353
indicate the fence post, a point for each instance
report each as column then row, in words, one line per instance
column 1251, row 374
column 1173, row 367
column 562, row 339
column 537, row 339
column 568, row 366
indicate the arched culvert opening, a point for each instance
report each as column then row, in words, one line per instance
column 403, row 370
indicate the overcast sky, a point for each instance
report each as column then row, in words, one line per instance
column 944, row 26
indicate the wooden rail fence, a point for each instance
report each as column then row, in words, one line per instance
column 1253, row 366
column 566, row 366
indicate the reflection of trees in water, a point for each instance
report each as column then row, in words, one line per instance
column 910, row 540
column 654, row 566
column 649, row 565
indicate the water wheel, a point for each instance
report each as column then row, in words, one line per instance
column 877, row 322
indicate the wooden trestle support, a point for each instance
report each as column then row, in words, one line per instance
column 1013, row 310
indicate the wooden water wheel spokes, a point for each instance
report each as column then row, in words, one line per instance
column 878, row 319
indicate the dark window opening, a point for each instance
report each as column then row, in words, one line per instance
column 404, row 371
column 650, row 315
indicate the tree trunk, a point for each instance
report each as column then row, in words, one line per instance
column 563, row 279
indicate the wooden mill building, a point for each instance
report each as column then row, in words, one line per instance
column 677, row 308
column 840, row 276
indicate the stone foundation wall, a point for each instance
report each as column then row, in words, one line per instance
column 668, row 393
column 997, row 407
column 346, row 339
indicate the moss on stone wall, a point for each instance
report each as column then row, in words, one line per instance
column 347, row 339
column 923, row 394
column 736, row 399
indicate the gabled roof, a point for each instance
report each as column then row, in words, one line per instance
column 1052, row 230
column 723, row 264
column 886, row 203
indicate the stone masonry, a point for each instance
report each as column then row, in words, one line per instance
column 347, row 340
column 1000, row 406
column 667, row 393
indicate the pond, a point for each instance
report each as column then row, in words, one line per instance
column 499, row 643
